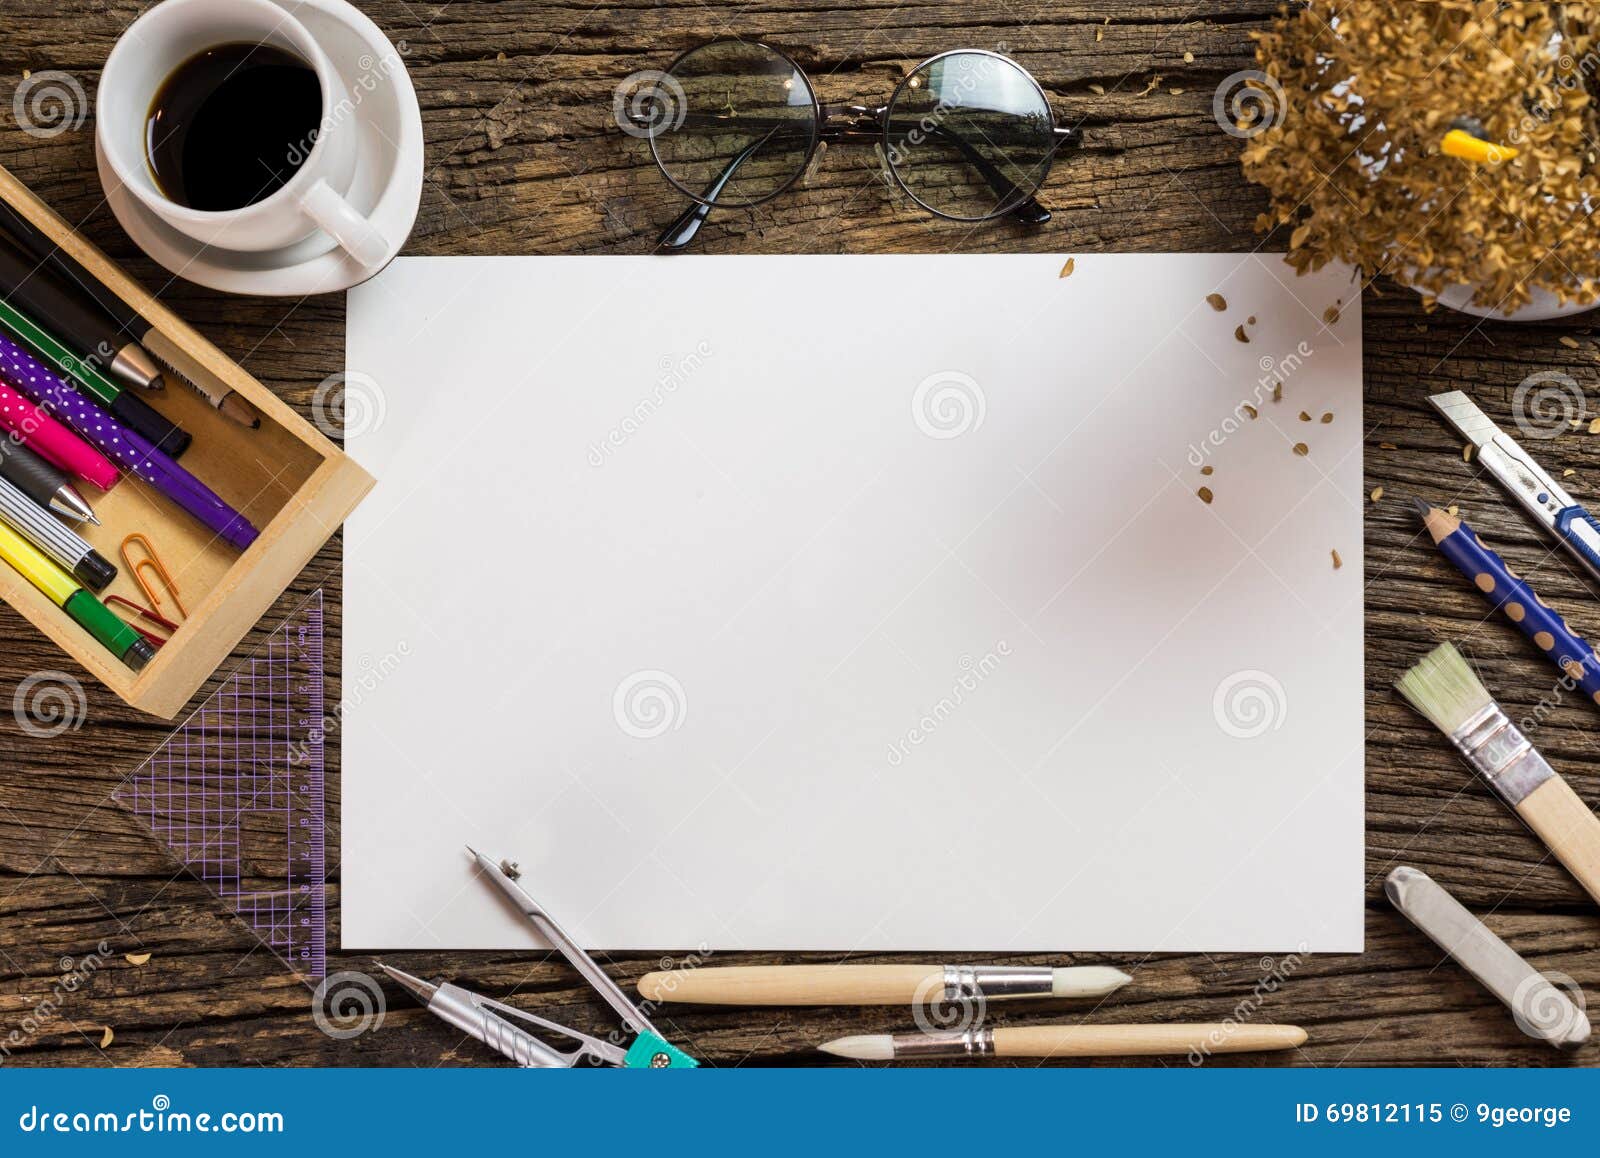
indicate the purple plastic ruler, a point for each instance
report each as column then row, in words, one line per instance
column 236, row 792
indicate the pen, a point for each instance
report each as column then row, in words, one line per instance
column 874, row 984
column 47, row 533
column 42, row 482
column 194, row 375
column 128, row 407
column 86, row 329
column 1070, row 1041
column 53, row 441
column 125, row 447
column 1529, row 483
column 1489, row 574
column 66, row 593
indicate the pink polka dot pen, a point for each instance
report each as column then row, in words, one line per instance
column 33, row 427
column 126, row 448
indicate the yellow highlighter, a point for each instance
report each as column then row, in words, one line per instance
column 68, row 594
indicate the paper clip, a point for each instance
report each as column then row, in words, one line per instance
column 154, row 561
column 142, row 612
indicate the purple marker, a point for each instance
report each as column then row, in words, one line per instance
column 128, row 449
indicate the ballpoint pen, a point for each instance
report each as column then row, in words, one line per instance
column 82, row 326
column 54, row 538
column 1529, row 483
column 42, row 482
column 494, row 1023
column 132, row 323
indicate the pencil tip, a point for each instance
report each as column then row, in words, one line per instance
column 1420, row 507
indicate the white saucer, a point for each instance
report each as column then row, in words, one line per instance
column 388, row 184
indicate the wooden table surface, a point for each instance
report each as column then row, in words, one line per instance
column 524, row 157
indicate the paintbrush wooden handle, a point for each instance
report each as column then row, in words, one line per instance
column 797, row 985
column 1560, row 818
column 1142, row 1040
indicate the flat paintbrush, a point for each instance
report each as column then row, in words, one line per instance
column 1444, row 689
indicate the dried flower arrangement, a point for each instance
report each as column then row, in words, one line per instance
column 1358, row 97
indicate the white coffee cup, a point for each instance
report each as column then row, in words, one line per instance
column 174, row 32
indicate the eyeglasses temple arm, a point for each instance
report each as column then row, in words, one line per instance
column 686, row 225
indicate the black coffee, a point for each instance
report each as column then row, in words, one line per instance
column 232, row 125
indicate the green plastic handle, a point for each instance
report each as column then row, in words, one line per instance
column 649, row 1052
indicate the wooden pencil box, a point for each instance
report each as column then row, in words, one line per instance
column 287, row 478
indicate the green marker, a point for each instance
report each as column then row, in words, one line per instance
column 68, row 594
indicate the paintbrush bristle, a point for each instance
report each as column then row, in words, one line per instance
column 1443, row 688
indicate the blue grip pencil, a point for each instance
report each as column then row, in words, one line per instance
column 1515, row 598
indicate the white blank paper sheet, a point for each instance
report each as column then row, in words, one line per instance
column 856, row 603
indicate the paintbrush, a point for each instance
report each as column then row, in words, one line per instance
column 1070, row 1041
column 1444, row 689
column 875, row 984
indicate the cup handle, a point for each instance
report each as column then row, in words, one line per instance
column 355, row 234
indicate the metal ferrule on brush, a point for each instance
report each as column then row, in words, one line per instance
column 1501, row 754
column 966, row 982
column 952, row 1043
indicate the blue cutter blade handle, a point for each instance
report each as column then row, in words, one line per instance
column 1581, row 533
